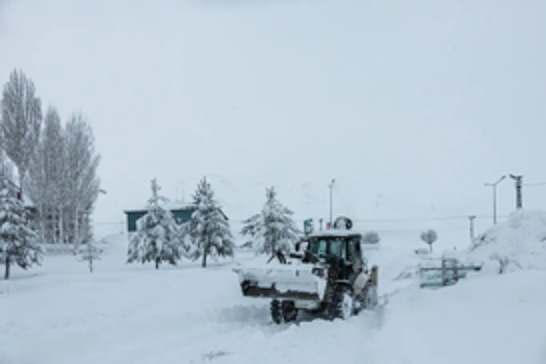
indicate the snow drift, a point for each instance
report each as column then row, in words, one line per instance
column 519, row 243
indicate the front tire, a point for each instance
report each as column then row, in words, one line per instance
column 342, row 304
column 276, row 311
column 289, row 311
column 371, row 298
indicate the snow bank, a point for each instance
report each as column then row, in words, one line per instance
column 491, row 319
column 519, row 243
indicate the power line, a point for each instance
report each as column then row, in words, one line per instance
column 401, row 220
column 360, row 220
column 535, row 184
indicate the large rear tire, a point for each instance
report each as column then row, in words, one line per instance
column 371, row 298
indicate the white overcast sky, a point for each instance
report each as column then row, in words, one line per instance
column 415, row 103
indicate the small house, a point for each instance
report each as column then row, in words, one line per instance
column 181, row 211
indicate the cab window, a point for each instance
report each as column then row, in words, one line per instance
column 338, row 248
column 354, row 250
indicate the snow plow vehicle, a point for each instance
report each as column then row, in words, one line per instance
column 327, row 276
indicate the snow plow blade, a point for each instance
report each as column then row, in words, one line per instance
column 253, row 290
column 286, row 284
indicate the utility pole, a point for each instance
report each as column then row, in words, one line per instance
column 331, row 186
column 519, row 199
column 320, row 222
column 494, row 185
column 471, row 219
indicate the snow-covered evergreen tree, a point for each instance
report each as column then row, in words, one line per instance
column 273, row 229
column 158, row 237
column 90, row 254
column 209, row 228
column 18, row 243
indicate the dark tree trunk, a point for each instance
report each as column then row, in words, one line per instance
column 8, row 263
column 430, row 246
column 91, row 266
column 157, row 261
column 204, row 262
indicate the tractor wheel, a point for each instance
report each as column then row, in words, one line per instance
column 342, row 304
column 289, row 311
column 276, row 311
column 370, row 297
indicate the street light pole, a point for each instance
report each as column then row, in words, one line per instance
column 519, row 200
column 331, row 186
column 471, row 219
column 494, row 185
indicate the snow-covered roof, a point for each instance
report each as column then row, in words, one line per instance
column 8, row 168
column 9, row 171
column 172, row 205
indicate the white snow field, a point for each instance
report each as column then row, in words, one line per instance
column 130, row 314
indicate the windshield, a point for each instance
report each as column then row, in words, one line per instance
column 322, row 247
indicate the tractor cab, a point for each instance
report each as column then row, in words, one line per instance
column 338, row 248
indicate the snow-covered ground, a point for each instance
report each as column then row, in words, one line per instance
column 61, row 314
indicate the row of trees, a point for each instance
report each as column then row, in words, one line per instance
column 273, row 229
column 159, row 239
column 55, row 167
column 56, row 164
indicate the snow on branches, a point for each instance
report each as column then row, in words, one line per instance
column 158, row 237
column 209, row 228
column 273, row 229
column 90, row 253
column 18, row 243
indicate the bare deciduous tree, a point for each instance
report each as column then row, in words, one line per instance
column 82, row 183
column 43, row 183
column 90, row 254
column 429, row 236
column 371, row 237
column 21, row 121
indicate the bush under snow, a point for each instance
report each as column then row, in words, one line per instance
column 516, row 244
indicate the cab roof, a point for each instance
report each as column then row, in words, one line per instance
column 335, row 233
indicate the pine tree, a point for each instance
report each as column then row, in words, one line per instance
column 273, row 229
column 158, row 237
column 90, row 254
column 18, row 244
column 208, row 228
